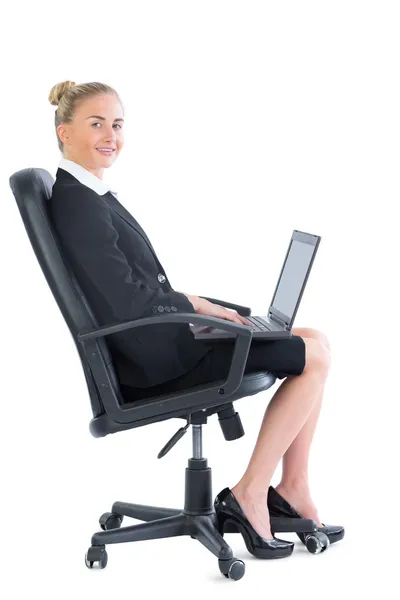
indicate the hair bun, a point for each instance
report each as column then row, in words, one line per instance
column 58, row 90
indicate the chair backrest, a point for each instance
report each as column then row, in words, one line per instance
column 32, row 189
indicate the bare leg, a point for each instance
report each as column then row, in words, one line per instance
column 294, row 484
column 284, row 417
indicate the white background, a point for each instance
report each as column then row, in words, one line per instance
column 244, row 121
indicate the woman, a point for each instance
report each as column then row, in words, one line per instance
column 122, row 277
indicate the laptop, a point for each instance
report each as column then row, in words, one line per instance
column 286, row 298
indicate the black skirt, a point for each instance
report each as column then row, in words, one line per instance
column 281, row 357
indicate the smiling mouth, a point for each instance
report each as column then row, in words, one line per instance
column 110, row 151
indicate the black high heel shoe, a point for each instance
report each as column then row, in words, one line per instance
column 227, row 508
column 279, row 507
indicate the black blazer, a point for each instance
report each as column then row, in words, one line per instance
column 122, row 278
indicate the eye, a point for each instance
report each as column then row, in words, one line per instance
column 98, row 123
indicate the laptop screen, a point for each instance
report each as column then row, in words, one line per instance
column 294, row 275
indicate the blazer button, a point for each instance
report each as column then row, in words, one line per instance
column 174, row 308
column 160, row 309
column 167, row 308
column 155, row 309
column 161, row 278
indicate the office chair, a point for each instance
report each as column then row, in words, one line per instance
column 32, row 187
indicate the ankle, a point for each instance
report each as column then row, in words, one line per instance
column 298, row 485
column 250, row 492
column 254, row 504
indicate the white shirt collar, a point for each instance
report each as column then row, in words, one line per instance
column 86, row 177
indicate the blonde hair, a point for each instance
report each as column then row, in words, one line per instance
column 67, row 95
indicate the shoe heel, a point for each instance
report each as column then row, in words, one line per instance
column 266, row 552
column 224, row 519
column 228, row 510
column 221, row 521
column 278, row 506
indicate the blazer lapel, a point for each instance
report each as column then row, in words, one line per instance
column 117, row 206
column 114, row 204
column 63, row 176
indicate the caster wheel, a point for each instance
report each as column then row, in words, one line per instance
column 232, row 569
column 96, row 554
column 317, row 542
column 110, row 521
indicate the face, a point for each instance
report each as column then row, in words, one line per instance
column 87, row 132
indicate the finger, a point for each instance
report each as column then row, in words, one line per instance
column 230, row 316
column 233, row 315
column 238, row 318
column 245, row 321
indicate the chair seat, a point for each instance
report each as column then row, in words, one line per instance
column 252, row 383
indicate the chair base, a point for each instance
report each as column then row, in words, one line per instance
column 197, row 519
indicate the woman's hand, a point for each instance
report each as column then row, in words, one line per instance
column 205, row 307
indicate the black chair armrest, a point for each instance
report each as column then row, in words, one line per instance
column 245, row 311
column 202, row 398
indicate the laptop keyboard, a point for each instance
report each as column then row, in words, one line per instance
column 258, row 325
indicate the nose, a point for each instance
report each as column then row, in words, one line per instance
column 110, row 140
column 111, row 134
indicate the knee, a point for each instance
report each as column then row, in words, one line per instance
column 318, row 356
column 320, row 336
